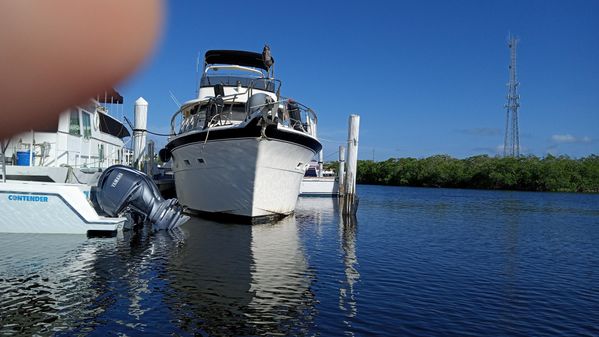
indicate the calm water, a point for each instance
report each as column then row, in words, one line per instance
column 415, row 262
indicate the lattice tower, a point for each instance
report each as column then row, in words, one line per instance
column 511, row 141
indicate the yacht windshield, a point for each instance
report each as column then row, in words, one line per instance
column 244, row 81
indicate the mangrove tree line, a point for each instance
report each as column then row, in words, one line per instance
column 551, row 173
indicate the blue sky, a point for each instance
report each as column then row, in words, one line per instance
column 426, row 77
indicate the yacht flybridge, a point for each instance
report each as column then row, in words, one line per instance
column 240, row 148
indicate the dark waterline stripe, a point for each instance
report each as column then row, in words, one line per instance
column 252, row 130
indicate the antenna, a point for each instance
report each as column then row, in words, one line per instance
column 511, row 140
column 197, row 75
column 175, row 100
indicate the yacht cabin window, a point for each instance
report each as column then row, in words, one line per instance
column 267, row 84
column 87, row 126
column 74, row 128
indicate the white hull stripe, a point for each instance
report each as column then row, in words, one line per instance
column 19, row 193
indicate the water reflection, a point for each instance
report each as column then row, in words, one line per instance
column 314, row 212
column 347, row 299
column 511, row 211
column 280, row 278
column 209, row 278
column 69, row 284
column 495, row 261
column 45, row 281
column 241, row 279
column 323, row 217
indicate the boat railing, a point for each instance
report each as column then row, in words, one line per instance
column 193, row 120
column 198, row 117
column 47, row 155
column 297, row 116
column 293, row 114
column 310, row 119
column 262, row 83
column 290, row 113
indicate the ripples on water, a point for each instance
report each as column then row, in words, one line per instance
column 415, row 262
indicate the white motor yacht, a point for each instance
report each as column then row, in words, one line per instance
column 84, row 140
column 240, row 148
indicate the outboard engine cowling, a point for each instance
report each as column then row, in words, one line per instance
column 125, row 191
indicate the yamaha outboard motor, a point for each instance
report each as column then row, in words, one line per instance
column 125, row 191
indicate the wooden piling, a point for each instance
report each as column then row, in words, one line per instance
column 341, row 172
column 350, row 199
column 150, row 161
column 320, row 163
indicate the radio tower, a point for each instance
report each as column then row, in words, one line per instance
column 511, row 141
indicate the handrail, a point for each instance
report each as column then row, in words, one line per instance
column 235, row 67
column 308, row 117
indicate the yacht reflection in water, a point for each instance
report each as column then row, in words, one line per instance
column 209, row 279
column 241, row 280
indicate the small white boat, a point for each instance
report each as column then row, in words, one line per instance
column 125, row 195
column 319, row 183
column 58, row 208
column 241, row 149
column 319, row 187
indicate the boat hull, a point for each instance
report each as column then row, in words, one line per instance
column 244, row 177
column 34, row 207
column 319, row 187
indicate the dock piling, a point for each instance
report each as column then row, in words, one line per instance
column 350, row 200
column 341, row 173
column 139, row 131
column 150, row 162
column 320, row 163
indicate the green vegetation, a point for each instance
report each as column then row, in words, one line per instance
column 556, row 174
